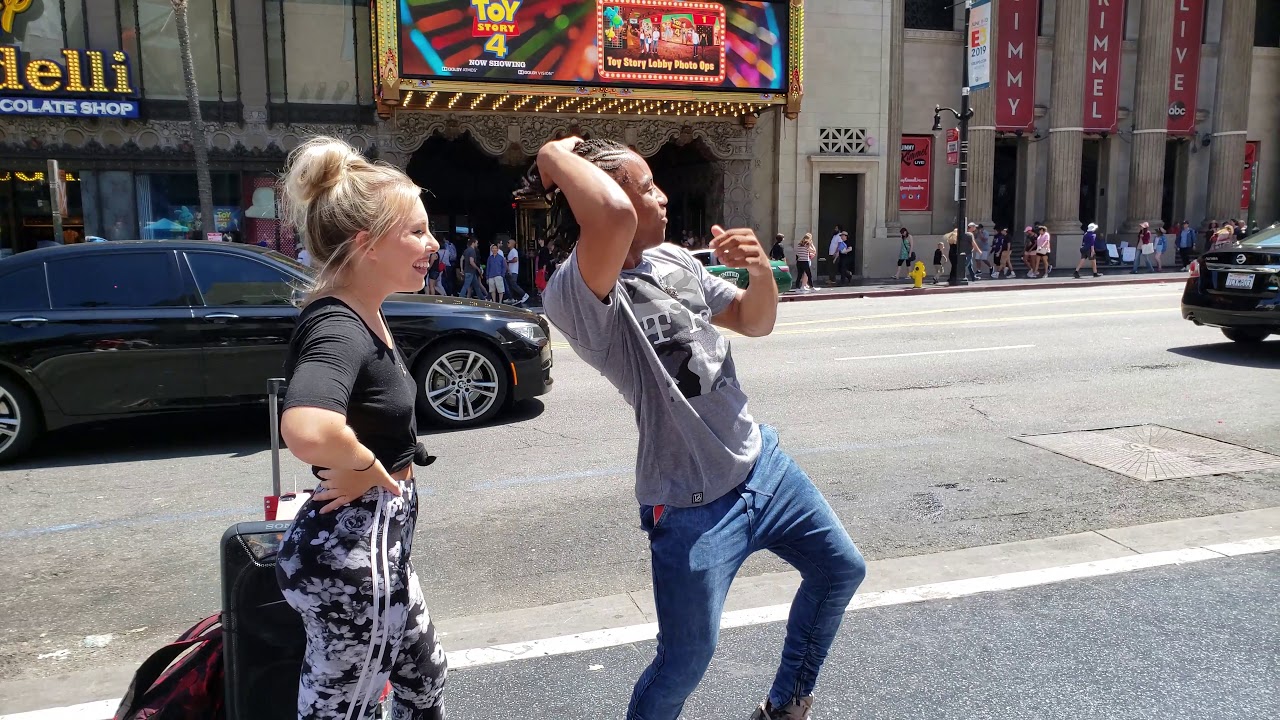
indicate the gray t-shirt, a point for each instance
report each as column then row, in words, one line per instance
column 653, row 339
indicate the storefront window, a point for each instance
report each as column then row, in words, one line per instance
column 169, row 206
column 151, row 36
column 44, row 27
column 319, row 51
column 929, row 15
column 1266, row 32
column 26, row 211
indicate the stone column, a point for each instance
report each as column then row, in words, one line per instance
column 1230, row 109
column 1150, row 115
column 1066, row 110
column 893, row 143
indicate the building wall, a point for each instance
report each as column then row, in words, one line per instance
column 1264, row 126
column 932, row 75
column 846, row 68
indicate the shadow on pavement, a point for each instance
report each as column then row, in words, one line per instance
column 1265, row 355
column 235, row 432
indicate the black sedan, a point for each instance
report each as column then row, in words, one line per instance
column 99, row 331
column 1237, row 288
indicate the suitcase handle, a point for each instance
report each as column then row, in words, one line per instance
column 274, row 386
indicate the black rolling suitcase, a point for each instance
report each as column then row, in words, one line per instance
column 262, row 635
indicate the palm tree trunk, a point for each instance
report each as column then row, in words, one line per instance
column 199, row 138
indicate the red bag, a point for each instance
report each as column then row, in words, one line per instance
column 540, row 279
column 190, row 688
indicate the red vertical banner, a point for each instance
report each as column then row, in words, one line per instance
column 914, row 191
column 1105, row 34
column 1184, row 69
column 1246, row 182
column 1017, row 27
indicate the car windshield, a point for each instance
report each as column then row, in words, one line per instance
column 1268, row 237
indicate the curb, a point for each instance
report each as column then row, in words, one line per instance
column 984, row 286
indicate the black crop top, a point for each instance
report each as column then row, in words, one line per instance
column 336, row 362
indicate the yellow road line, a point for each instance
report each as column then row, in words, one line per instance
column 1001, row 306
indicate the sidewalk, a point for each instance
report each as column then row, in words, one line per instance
column 584, row 654
column 887, row 287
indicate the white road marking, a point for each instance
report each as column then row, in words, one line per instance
column 611, row 637
column 99, row 710
column 937, row 352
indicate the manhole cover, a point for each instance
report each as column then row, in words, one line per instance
column 1153, row 452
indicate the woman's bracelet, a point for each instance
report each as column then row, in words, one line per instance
column 370, row 465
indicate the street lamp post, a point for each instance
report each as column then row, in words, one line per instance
column 958, row 277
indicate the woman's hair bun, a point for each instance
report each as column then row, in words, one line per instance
column 316, row 166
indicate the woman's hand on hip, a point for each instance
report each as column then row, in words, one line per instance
column 343, row 487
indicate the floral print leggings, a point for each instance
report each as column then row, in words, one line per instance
column 348, row 574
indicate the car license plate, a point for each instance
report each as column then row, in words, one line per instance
column 1240, row 281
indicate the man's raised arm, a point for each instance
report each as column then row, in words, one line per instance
column 603, row 211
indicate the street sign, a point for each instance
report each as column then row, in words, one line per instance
column 953, row 146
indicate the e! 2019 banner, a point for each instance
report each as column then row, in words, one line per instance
column 726, row 45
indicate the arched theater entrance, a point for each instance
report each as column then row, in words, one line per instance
column 472, row 163
column 468, row 190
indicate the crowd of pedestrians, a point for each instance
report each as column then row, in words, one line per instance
column 991, row 253
column 493, row 275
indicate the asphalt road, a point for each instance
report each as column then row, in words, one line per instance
column 115, row 530
column 1182, row 642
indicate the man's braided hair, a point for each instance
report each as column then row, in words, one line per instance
column 562, row 226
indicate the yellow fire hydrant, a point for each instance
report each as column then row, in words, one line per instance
column 918, row 274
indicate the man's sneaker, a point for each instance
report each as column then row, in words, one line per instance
column 795, row 710
column 1097, row 274
column 1076, row 274
column 524, row 299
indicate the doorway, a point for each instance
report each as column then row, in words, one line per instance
column 1172, row 197
column 468, row 192
column 694, row 185
column 838, row 195
column 1004, row 190
column 1090, row 175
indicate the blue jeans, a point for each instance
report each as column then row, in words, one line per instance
column 696, row 552
column 472, row 280
column 1139, row 258
column 513, row 287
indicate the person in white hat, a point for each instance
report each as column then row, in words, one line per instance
column 1088, row 254
column 1145, row 249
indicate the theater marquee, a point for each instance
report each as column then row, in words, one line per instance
column 602, row 57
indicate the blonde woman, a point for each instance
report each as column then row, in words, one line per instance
column 805, row 253
column 349, row 413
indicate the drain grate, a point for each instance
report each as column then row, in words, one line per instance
column 1153, row 452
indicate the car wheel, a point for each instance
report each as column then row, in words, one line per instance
column 1244, row 335
column 461, row 383
column 19, row 419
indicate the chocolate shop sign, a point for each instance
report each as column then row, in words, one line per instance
column 87, row 83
